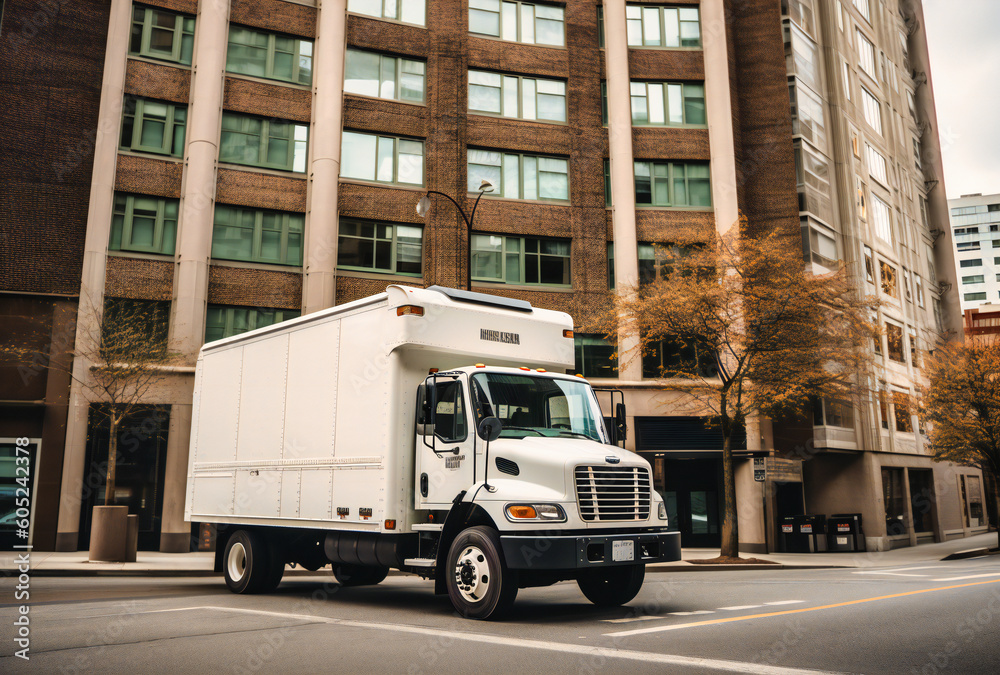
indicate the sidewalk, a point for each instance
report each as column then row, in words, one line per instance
column 151, row 563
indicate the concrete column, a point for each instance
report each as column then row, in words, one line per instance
column 201, row 152
column 719, row 112
column 94, row 263
column 622, row 175
column 175, row 534
column 319, row 284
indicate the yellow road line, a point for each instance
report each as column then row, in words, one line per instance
column 710, row 622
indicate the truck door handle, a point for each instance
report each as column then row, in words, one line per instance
column 453, row 451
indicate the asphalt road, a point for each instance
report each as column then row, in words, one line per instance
column 932, row 618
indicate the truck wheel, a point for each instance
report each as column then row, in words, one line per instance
column 248, row 564
column 359, row 575
column 611, row 586
column 479, row 583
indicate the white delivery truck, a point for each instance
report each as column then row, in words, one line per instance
column 433, row 431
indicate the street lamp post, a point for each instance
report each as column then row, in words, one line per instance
column 424, row 205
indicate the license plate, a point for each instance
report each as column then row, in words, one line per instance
column 842, row 541
column 622, row 551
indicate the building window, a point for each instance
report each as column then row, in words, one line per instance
column 918, row 282
column 127, row 323
column 518, row 22
column 877, row 166
column 269, row 55
column 888, row 276
column 803, row 56
column 676, row 357
column 873, row 110
column 656, row 261
column 153, row 126
column 913, row 347
column 975, row 262
column 222, row 321
column 407, row 11
column 256, row 235
column 521, row 260
column 519, row 97
column 144, row 224
column 664, row 104
column 382, row 159
column 969, row 297
column 382, row 76
column 595, row 357
column 808, row 116
column 869, row 266
column 672, row 184
column 517, row 176
column 837, row 413
column 380, row 247
column 917, row 162
column 882, row 219
column 163, row 35
column 906, row 285
column 864, row 9
column 974, row 279
column 894, row 341
column 267, row 143
column 661, row 26
column 866, row 52
column 847, row 80
column 819, row 247
column 901, row 408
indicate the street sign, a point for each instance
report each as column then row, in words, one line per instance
column 759, row 470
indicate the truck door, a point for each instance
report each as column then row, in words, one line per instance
column 446, row 450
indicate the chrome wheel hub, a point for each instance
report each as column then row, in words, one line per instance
column 472, row 574
column 236, row 565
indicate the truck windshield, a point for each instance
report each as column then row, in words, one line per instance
column 538, row 406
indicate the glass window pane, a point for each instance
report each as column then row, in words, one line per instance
column 413, row 11
column 511, row 177
column 675, row 103
column 671, row 28
column 528, row 111
column 361, row 73
column 510, row 103
column 277, row 152
column 656, row 113
column 552, row 107
column 633, row 29
column 386, row 152
column 485, row 23
column 643, row 186
column 694, row 104
column 411, row 164
column 509, row 18
column 527, row 23
column 388, row 86
column 548, row 32
column 530, row 177
column 651, row 25
column 358, row 156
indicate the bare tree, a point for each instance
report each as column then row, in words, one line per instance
column 751, row 330
column 120, row 357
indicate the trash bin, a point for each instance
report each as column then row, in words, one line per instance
column 844, row 532
column 803, row 534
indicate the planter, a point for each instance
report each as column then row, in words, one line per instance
column 109, row 534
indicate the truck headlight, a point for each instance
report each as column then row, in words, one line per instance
column 661, row 510
column 552, row 513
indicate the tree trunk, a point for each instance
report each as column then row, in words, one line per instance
column 109, row 492
column 730, row 523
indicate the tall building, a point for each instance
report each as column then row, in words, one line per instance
column 255, row 160
column 975, row 226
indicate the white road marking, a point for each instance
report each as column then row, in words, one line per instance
column 577, row 650
column 785, row 602
column 903, row 569
column 630, row 619
column 697, row 611
column 970, row 576
column 739, row 607
column 896, row 574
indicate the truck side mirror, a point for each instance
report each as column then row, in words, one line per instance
column 489, row 429
column 426, row 408
column 621, row 426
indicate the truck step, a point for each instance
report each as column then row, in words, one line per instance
column 420, row 562
column 428, row 527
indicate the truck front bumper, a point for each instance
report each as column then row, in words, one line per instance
column 579, row 551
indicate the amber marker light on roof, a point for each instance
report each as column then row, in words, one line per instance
column 542, row 370
column 480, row 365
column 567, row 333
column 525, row 368
column 432, row 371
column 409, row 309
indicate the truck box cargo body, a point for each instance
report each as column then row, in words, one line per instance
column 422, row 430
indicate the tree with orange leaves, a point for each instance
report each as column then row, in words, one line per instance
column 774, row 333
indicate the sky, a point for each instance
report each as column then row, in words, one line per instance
column 963, row 38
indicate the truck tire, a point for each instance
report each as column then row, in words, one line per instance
column 479, row 583
column 611, row 586
column 359, row 575
column 248, row 564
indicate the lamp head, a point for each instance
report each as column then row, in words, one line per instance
column 486, row 186
column 423, row 206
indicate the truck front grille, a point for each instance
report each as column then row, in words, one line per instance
column 613, row 492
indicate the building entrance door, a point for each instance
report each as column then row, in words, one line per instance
column 691, row 489
column 140, row 466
